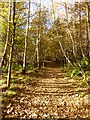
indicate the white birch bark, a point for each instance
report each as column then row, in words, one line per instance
column 11, row 48
column 8, row 34
column 26, row 39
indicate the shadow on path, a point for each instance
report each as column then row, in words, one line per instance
column 48, row 97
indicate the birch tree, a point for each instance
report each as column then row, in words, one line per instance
column 68, row 32
column 80, row 33
column 26, row 39
column 59, row 37
column 8, row 34
column 38, row 39
column 11, row 48
column 89, row 28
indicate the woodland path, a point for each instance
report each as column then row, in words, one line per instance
column 49, row 95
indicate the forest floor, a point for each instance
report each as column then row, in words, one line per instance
column 47, row 95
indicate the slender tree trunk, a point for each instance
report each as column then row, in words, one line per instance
column 8, row 35
column 11, row 48
column 26, row 40
column 53, row 10
column 37, row 53
column 38, row 38
column 88, row 18
column 74, row 36
column 69, row 32
column 69, row 62
column 63, row 51
column 80, row 34
column 87, row 29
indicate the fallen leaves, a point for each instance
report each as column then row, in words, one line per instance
column 49, row 97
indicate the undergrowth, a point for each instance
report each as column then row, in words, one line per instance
column 80, row 70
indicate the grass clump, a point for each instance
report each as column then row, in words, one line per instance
column 79, row 69
column 10, row 92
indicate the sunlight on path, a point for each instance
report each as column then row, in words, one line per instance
column 53, row 96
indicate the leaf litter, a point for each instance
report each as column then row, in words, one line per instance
column 49, row 97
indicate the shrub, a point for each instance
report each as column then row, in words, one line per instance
column 85, row 64
column 16, row 67
column 76, row 72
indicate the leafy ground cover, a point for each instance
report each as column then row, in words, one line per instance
column 46, row 94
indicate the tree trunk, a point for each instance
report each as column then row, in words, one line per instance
column 69, row 62
column 80, row 34
column 37, row 53
column 8, row 35
column 38, row 40
column 11, row 48
column 89, row 29
column 74, row 36
column 54, row 17
column 69, row 32
column 26, row 40
column 63, row 51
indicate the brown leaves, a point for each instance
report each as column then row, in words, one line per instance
column 50, row 98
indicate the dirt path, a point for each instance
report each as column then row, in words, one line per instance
column 49, row 96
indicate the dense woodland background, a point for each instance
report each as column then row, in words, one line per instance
column 30, row 37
